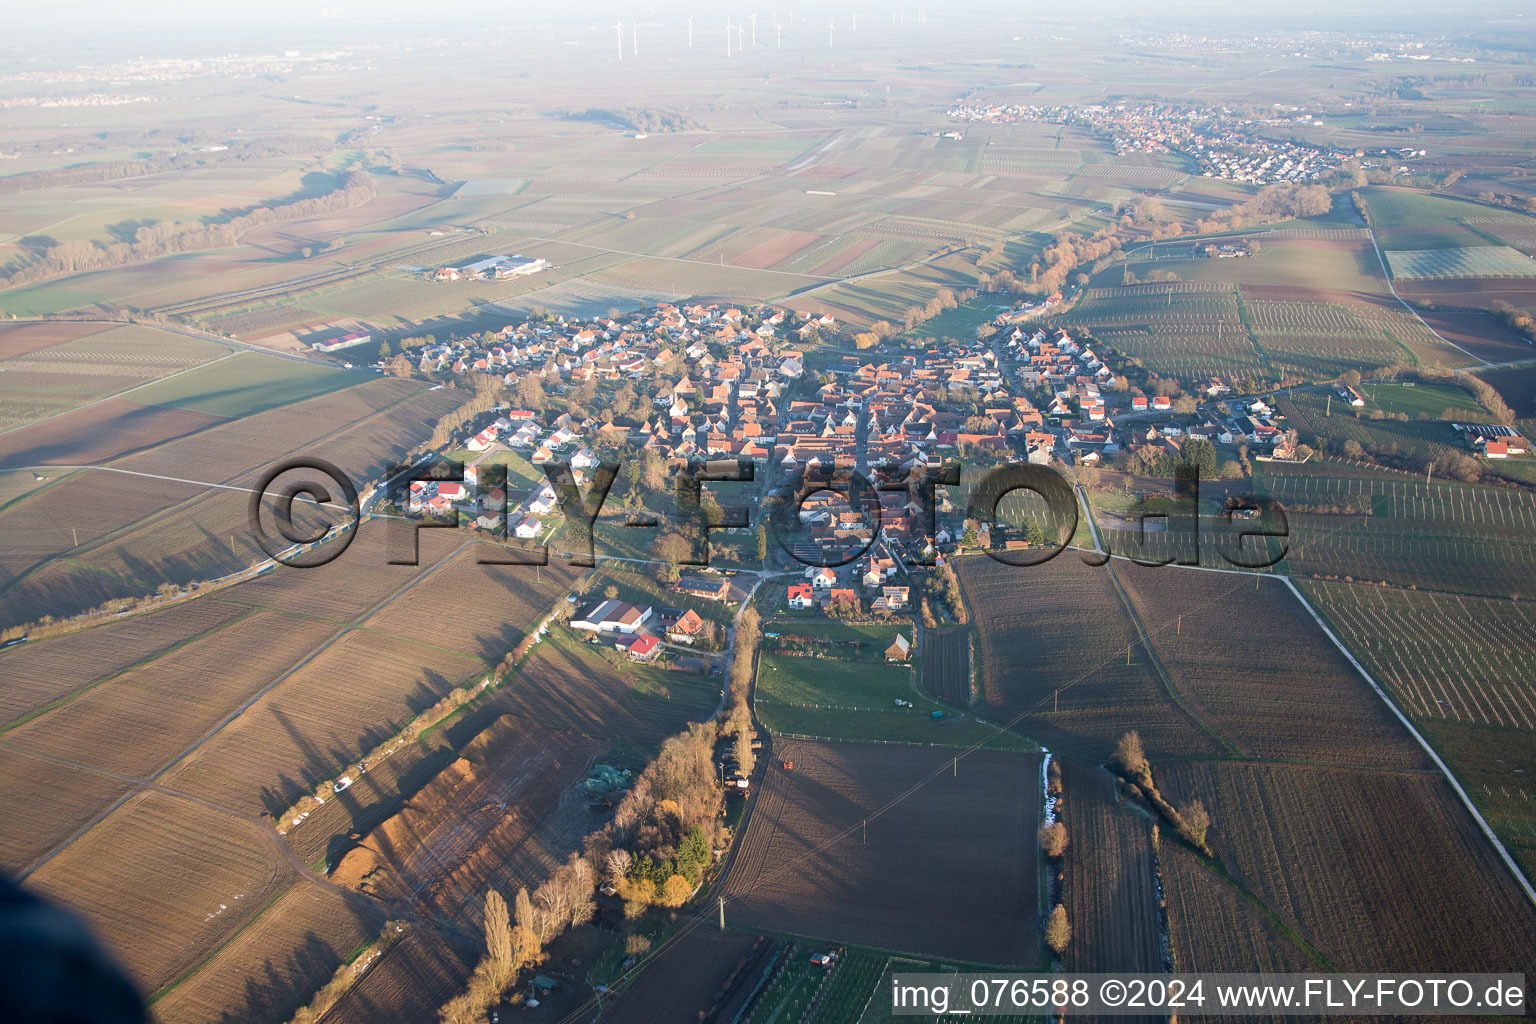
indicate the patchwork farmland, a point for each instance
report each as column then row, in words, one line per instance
column 284, row 795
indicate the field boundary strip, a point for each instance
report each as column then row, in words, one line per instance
column 1509, row 862
column 886, row 743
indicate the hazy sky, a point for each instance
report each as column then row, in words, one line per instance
column 87, row 15
column 84, row 32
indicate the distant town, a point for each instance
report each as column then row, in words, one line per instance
column 1222, row 143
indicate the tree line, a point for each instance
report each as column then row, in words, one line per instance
column 166, row 237
column 117, row 170
column 655, row 851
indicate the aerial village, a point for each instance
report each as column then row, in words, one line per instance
column 775, row 387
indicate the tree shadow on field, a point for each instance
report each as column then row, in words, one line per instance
column 826, row 873
column 127, row 230
column 426, row 970
column 1366, row 263
column 277, row 989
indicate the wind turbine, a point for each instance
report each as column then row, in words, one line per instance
column 690, row 31
column 728, row 29
column 855, row 21
column 779, row 28
column 618, row 26
column 634, row 37
column 741, row 32
column 831, row 27
column 754, row 30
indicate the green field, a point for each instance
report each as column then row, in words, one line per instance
column 246, row 384
column 1432, row 400
column 848, row 700
column 910, row 726
column 841, row 684
column 1405, row 220
column 1386, row 438
column 1342, row 264
column 960, row 322
column 71, row 373
column 852, row 989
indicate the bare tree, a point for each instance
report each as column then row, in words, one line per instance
column 618, row 865
column 579, row 884
column 745, row 755
column 1053, row 839
column 525, row 916
column 501, row 965
column 1058, row 931
column 552, row 907
column 1196, row 822
column 1130, row 757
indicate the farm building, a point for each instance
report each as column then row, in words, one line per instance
column 1350, row 395
column 713, row 588
column 613, row 617
column 1493, row 440
column 345, row 341
column 899, row 650
column 498, row 267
